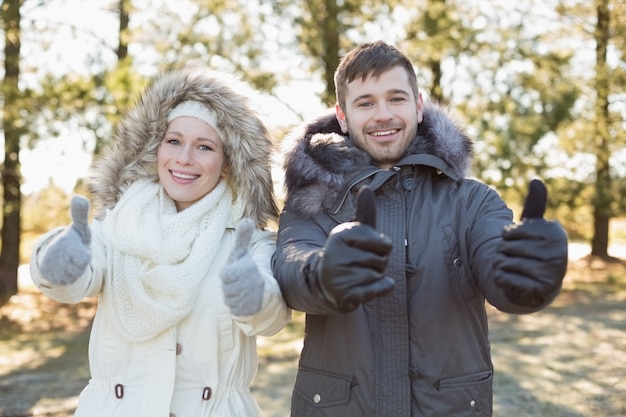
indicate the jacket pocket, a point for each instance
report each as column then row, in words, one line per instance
column 322, row 389
column 466, row 381
column 464, row 396
column 225, row 332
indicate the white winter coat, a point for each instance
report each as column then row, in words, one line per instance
column 201, row 367
column 204, row 365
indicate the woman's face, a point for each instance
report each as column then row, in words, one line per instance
column 190, row 160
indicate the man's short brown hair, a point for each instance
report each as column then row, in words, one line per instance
column 370, row 59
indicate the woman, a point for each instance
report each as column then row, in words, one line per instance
column 177, row 254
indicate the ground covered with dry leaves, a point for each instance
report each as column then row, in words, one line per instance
column 567, row 361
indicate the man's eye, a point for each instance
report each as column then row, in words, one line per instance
column 365, row 104
column 398, row 99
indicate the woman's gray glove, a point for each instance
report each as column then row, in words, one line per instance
column 242, row 283
column 532, row 258
column 351, row 268
column 66, row 257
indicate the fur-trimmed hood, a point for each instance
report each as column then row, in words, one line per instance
column 247, row 143
column 319, row 159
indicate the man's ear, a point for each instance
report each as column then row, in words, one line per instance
column 420, row 108
column 341, row 118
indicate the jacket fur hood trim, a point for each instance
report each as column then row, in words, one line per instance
column 247, row 143
column 318, row 156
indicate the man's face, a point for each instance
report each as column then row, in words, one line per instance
column 381, row 115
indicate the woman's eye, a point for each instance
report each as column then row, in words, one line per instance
column 205, row 148
column 172, row 141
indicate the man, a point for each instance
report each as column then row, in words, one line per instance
column 395, row 294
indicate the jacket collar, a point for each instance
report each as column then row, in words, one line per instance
column 321, row 161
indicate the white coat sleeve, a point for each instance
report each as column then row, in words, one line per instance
column 274, row 313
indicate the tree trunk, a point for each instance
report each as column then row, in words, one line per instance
column 122, row 48
column 331, row 50
column 11, row 229
column 603, row 197
column 435, row 14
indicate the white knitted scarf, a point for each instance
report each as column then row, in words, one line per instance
column 159, row 256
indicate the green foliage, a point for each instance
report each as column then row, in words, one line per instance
column 518, row 74
column 568, row 201
column 48, row 208
column 226, row 35
column 45, row 210
column 438, row 32
column 117, row 91
column 326, row 29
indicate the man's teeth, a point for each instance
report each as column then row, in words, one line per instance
column 384, row 132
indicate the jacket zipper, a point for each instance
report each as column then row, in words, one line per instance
column 356, row 181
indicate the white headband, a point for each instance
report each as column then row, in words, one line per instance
column 195, row 109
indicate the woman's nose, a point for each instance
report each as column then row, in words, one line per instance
column 185, row 155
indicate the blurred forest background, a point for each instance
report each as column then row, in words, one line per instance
column 540, row 85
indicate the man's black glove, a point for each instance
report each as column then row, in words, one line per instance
column 351, row 267
column 532, row 258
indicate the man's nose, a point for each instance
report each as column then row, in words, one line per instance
column 383, row 112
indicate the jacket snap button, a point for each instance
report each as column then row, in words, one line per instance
column 317, row 398
column 457, row 262
column 408, row 184
column 179, row 348
column 472, row 403
column 206, row 393
column 119, row 391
